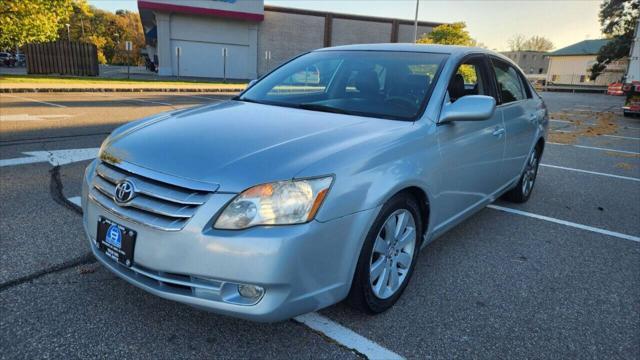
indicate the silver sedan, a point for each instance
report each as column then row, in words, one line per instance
column 320, row 182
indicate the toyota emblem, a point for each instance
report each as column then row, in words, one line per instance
column 125, row 191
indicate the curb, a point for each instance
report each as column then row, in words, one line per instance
column 172, row 90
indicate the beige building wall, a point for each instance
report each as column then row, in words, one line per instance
column 285, row 36
column 574, row 70
column 405, row 32
column 347, row 31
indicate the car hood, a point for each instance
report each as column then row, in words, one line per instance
column 236, row 144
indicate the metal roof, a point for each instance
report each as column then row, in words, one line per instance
column 585, row 47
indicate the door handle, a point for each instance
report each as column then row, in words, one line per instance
column 498, row 132
column 533, row 117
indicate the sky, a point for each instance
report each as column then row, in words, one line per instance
column 491, row 22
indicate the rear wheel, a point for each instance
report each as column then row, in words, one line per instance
column 522, row 191
column 388, row 256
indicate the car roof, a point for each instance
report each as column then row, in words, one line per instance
column 442, row 49
column 455, row 51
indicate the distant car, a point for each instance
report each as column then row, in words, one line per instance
column 21, row 60
column 7, row 59
column 320, row 182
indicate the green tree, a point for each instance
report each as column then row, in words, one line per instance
column 618, row 19
column 448, row 34
column 108, row 31
column 27, row 21
column 453, row 34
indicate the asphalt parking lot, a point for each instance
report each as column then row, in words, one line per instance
column 557, row 277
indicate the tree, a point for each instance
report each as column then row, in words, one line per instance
column 108, row 31
column 448, row 34
column 27, row 21
column 537, row 43
column 516, row 42
column 618, row 19
column 519, row 42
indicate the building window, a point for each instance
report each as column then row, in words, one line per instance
column 524, row 56
column 540, row 71
column 582, row 78
column 554, row 77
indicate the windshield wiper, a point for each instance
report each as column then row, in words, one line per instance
column 320, row 107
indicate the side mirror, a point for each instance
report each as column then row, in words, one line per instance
column 468, row 108
column 252, row 82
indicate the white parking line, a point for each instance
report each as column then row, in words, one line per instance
column 75, row 200
column 562, row 121
column 33, row 100
column 567, row 223
column 136, row 100
column 622, row 137
column 596, row 148
column 346, row 337
column 591, row 172
column 198, row 97
column 29, row 117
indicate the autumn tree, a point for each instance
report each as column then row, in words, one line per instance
column 618, row 19
column 108, row 31
column 28, row 21
column 448, row 34
column 453, row 34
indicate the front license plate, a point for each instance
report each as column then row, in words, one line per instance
column 116, row 241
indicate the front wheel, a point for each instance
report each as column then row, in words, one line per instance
column 522, row 191
column 388, row 256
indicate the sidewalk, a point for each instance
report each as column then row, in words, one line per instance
column 120, row 87
column 23, row 84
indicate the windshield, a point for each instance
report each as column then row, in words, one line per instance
column 385, row 84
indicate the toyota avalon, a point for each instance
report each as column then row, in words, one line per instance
column 320, row 182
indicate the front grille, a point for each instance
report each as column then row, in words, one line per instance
column 156, row 204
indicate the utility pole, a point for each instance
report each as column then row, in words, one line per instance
column 415, row 24
column 68, row 32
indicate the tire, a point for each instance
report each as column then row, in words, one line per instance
column 389, row 256
column 522, row 191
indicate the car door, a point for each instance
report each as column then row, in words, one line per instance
column 471, row 151
column 519, row 113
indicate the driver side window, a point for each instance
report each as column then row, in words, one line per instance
column 469, row 79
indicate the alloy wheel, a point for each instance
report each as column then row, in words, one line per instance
column 530, row 172
column 393, row 252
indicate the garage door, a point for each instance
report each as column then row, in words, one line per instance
column 205, row 59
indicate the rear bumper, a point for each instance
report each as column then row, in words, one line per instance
column 302, row 267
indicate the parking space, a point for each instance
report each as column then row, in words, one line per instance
column 558, row 276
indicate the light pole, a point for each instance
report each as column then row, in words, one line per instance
column 68, row 33
column 415, row 24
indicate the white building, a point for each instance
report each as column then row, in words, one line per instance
column 572, row 65
column 191, row 37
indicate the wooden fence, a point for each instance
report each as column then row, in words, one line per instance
column 62, row 57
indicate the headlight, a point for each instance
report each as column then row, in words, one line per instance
column 278, row 203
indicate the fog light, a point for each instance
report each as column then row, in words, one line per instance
column 250, row 291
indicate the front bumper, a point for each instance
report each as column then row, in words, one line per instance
column 301, row 267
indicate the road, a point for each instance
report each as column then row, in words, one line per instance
column 556, row 277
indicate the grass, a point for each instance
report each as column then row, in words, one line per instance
column 71, row 80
